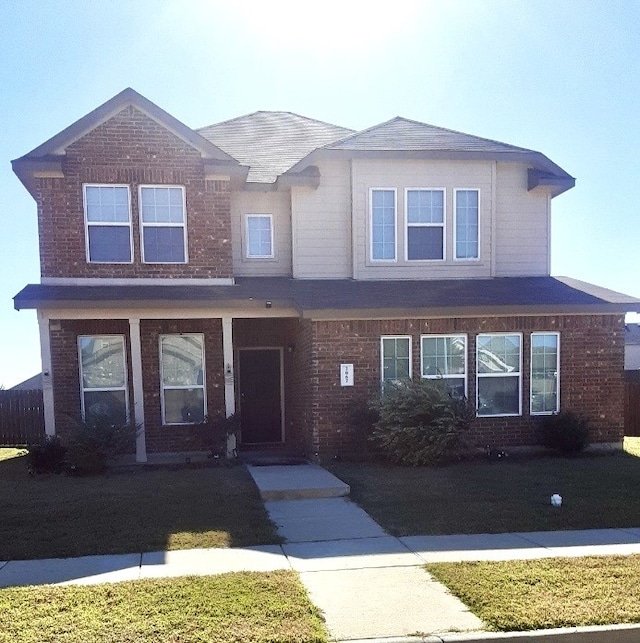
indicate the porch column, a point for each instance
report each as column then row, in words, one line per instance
column 47, row 377
column 138, row 391
column 229, row 384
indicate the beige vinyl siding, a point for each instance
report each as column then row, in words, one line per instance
column 321, row 221
column 278, row 204
column 522, row 224
column 399, row 174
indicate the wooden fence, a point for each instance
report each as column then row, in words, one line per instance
column 21, row 418
column 632, row 403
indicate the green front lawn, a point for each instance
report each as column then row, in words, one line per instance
column 231, row 608
column 507, row 495
column 58, row 516
column 549, row 593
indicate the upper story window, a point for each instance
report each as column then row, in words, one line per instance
column 445, row 357
column 467, row 228
column 163, row 224
column 107, row 214
column 499, row 374
column 383, row 224
column 425, row 224
column 259, row 236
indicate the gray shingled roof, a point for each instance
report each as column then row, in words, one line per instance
column 310, row 297
column 402, row 134
column 271, row 142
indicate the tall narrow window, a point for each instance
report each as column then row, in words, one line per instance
column 396, row 358
column 499, row 374
column 183, row 379
column 383, row 225
column 545, row 373
column 107, row 215
column 425, row 224
column 162, row 212
column 467, row 229
column 103, row 376
column 445, row 357
column 259, row 236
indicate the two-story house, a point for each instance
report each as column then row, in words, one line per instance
column 284, row 268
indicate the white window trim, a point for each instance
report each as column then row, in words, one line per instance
column 124, row 388
column 382, row 338
column 448, row 377
column 395, row 225
column 494, row 375
column 247, row 253
column 455, row 225
column 154, row 224
column 442, row 225
column 164, row 388
column 557, row 409
column 115, row 224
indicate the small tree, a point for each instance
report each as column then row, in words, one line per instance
column 566, row 433
column 422, row 423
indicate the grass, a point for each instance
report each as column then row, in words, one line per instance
column 59, row 516
column 8, row 453
column 549, row 593
column 242, row 607
column 598, row 491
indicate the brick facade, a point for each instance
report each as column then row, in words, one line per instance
column 131, row 148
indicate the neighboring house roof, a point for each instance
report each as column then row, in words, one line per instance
column 632, row 347
column 345, row 297
column 271, row 142
column 33, row 383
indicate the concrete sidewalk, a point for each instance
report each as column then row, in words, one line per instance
column 368, row 584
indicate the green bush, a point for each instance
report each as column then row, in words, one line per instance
column 219, row 429
column 47, row 457
column 421, row 423
column 566, row 432
column 96, row 440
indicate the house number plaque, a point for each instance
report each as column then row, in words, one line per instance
column 346, row 374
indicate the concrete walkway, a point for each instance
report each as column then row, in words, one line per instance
column 368, row 584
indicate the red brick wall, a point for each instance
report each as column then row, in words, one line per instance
column 591, row 374
column 167, row 439
column 130, row 148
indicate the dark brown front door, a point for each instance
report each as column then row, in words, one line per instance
column 260, row 396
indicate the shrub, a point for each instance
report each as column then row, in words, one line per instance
column 421, row 423
column 47, row 457
column 566, row 432
column 96, row 440
column 219, row 429
column 362, row 417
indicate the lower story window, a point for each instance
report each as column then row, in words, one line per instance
column 182, row 378
column 396, row 358
column 545, row 372
column 445, row 357
column 103, row 376
column 499, row 374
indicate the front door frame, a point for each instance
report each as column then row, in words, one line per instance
column 280, row 350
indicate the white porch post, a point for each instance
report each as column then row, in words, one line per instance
column 47, row 376
column 138, row 391
column 229, row 384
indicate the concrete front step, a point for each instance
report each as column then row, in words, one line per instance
column 297, row 482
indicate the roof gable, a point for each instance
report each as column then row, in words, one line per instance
column 271, row 142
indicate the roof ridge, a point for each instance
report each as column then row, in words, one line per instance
column 275, row 111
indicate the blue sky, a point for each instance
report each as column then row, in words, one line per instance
column 559, row 77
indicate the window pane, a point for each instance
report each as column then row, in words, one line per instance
column 259, row 233
column 102, row 361
column 396, row 359
column 443, row 356
column 425, row 243
column 467, row 224
column 164, row 245
column 111, row 403
column 498, row 354
column 184, row 405
column 161, row 205
column 383, row 231
column 110, row 244
column 425, row 206
column 544, row 373
column 107, row 204
column 498, row 395
column 182, row 360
